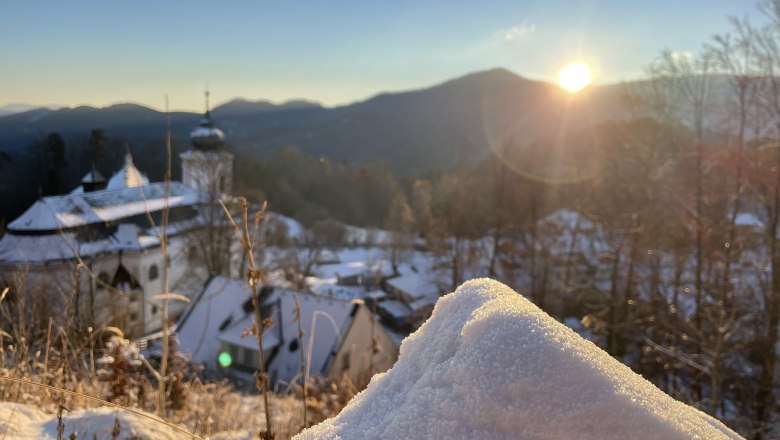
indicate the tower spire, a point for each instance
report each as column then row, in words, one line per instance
column 207, row 98
column 207, row 137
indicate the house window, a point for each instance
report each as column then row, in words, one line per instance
column 248, row 359
column 293, row 346
column 154, row 272
column 234, row 352
column 154, row 310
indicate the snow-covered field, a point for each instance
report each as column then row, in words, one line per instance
column 490, row 364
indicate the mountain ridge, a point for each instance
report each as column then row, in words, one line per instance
column 419, row 130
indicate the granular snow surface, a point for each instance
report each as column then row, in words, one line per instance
column 491, row 365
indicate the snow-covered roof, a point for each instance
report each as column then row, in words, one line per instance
column 219, row 304
column 341, row 269
column 93, row 176
column 67, row 211
column 748, row 219
column 329, row 288
column 23, row 249
column 218, row 314
column 424, row 302
column 490, row 364
column 235, row 335
column 128, row 176
column 395, row 308
column 355, row 268
column 39, row 249
column 415, row 285
column 375, row 294
column 325, row 322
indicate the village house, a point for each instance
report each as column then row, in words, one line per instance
column 402, row 300
column 337, row 339
column 411, row 299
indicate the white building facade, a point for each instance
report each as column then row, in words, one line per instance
column 93, row 256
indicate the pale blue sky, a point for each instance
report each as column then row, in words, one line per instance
column 100, row 52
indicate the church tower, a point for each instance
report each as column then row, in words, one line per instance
column 207, row 166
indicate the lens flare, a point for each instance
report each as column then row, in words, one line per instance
column 225, row 359
column 552, row 144
column 574, row 77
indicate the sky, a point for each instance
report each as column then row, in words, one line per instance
column 102, row 52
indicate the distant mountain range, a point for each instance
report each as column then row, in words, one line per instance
column 10, row 109
column 419, row 130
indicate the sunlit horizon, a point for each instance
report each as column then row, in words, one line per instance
column 195, row 102
column 334, row 53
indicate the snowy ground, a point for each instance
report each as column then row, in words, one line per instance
column 230, row 416
column 489, row 364
column 18, row 422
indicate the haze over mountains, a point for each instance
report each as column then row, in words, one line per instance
column 411, row 131
column 13, row 108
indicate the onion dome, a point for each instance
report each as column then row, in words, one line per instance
column 207, row 137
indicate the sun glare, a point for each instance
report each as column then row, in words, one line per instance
column 574, row 77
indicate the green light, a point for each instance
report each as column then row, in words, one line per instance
column 225, row 359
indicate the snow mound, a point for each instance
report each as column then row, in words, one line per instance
column 490, row 364
column 21, row 422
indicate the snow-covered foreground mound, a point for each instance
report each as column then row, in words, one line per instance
column 489, row 364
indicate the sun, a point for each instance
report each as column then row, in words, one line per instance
column 574, row 77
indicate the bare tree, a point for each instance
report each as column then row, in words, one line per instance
column 768, row 191
column 689, row 76
column 399, row 223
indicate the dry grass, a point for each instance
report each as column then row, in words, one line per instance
column 211, row 408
